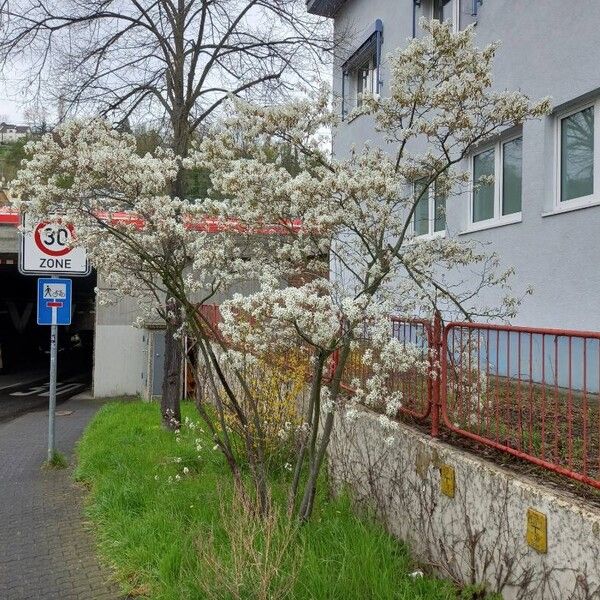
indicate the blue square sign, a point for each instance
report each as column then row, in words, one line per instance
column 54, row 302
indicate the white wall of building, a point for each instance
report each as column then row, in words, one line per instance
column 548, row 49
column 120, row 351
column 120, row 361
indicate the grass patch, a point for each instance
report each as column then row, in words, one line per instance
column 158, row 506
column 56, row 461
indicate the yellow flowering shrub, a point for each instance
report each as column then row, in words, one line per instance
column 277, row 387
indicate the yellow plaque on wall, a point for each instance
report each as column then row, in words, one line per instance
column 447, row 480
column 537, row 530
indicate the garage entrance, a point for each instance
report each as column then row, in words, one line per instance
column 24, row 346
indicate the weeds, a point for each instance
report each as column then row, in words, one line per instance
column 259, row 558
column 56, row 461
column 173, row 528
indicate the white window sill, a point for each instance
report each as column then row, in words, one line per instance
column 570, row 206
column 426, row 237
column 493, row 223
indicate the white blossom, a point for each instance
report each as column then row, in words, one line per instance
column 337, row 228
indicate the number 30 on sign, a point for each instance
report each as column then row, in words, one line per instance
column 46, row 249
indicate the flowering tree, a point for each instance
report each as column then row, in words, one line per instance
column 173, row 63
column 151, row 246
column 359, row 211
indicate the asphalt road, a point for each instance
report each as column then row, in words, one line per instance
column 28, row 395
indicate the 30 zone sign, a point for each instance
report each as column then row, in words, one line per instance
column 46, row 250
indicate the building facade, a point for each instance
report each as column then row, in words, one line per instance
column 542, row 214
column 13, row 133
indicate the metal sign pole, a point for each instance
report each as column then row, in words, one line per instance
column 52, row 403
column 54, row 309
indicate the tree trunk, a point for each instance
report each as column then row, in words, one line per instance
column 170, row 403
column 174, row 360
column 317, row 456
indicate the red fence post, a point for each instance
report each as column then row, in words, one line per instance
column 435, row 372
column 333, row 363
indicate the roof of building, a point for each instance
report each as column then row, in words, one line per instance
column 325, row 8
column 4, row 127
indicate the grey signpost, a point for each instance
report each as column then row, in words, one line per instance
column 52, row 400
column 47, row 250
column 54, row 309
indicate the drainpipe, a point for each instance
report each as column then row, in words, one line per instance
column 415, row 4
column 378, row 43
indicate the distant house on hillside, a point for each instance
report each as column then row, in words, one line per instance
column 12, row 133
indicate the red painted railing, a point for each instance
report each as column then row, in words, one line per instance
column 529, row 392
column 415, row 385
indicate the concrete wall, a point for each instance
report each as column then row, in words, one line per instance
column 129, row 360
column 120, row 351
column 9, row 239
column 548, row 49
column 120, row 361
column 479, row 535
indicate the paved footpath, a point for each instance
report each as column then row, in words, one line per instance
column 46, row 550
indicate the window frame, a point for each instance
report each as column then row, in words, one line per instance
column 369, row 49
column 455, row 14
column 583, row 201
column 370, row 66
column 431, row 233
column 498, row 218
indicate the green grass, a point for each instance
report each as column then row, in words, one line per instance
column 57, row 461
column 150, row 529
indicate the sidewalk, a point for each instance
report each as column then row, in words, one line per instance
column 46, row 551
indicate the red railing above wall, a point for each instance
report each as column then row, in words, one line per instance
column 415, row 384
column 530, row 392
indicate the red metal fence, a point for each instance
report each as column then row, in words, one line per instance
column 530, row 392
column 415, row 385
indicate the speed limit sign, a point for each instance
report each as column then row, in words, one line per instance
column 46, row 249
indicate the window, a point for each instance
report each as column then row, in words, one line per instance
column 512, row 176
column 460, row 12
column 360, row 72
column 576, row 146
column 365, row 79
column 447, row 10
column 483, row 192
column 497, row 183
column 430, row 212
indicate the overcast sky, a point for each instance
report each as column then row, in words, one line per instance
column 10, row 111
column 11, row 107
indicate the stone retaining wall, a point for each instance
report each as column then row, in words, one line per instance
column 480, row 534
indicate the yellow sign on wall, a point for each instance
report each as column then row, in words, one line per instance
column 447, row 480
column 537, row 530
